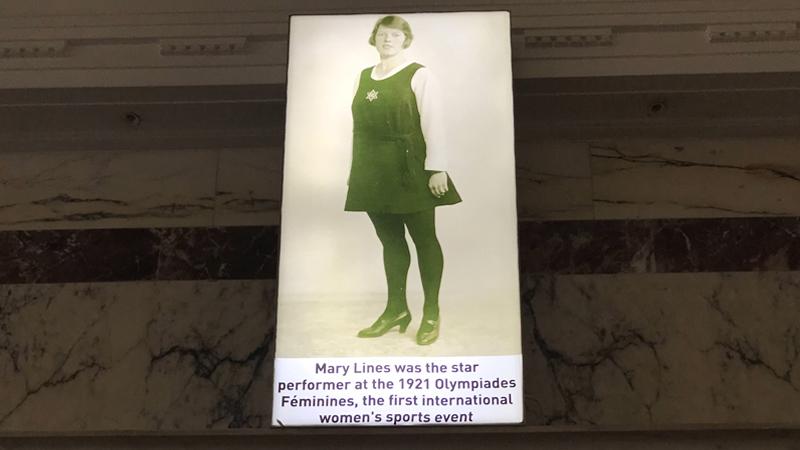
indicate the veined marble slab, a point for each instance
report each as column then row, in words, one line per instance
column 656, row 349
column 696, row 178
column 631, row 350
column 93, row 189
column 249, row 187
column 229, row 187
column 135, row 189
column 135, row 356
column 553, row 180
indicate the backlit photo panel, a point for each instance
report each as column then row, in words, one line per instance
column 398, row 290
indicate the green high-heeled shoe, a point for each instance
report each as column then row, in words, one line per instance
column 428, row 331
column 383, row 325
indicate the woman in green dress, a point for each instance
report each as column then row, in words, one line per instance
column 398, row 174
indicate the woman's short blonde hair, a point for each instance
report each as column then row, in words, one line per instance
column 395, row 22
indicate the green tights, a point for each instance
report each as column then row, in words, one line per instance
column 391, row 230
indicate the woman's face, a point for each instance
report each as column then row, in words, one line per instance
column 389, row 41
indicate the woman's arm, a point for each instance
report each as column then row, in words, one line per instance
column 426, row 91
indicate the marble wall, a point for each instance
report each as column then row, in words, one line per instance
column 140, row 189
column 178, row 355
column 660, row 280
column 663, row 348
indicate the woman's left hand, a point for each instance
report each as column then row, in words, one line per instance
column 438, row 184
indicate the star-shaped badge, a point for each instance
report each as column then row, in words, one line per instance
column 372, row 95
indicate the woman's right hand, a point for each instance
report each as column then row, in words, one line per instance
column 437, row 184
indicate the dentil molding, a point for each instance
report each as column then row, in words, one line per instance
column 32, row 49
column 752, row 32
column 87, row 43
column 202, row 46
column 523, row 39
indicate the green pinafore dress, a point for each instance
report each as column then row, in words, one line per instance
column 388, row 171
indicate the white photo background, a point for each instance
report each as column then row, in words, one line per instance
column 332, row 258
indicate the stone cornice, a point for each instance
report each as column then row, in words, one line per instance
column 84, row 44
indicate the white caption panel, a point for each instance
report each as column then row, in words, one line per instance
column 391, row 391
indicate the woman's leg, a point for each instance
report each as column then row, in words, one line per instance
column 422, row 228
column 396, row 259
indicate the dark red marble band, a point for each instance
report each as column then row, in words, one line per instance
column 561, row 247
column 64, row 256
column 660, row 245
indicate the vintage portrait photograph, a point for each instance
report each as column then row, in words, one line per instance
column 398, row 221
